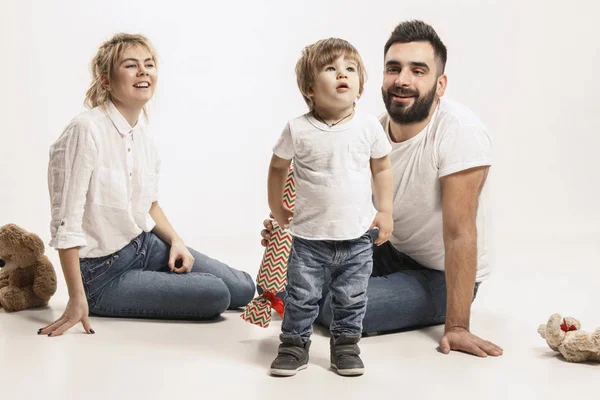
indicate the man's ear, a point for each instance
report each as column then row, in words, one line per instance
column 442, row 83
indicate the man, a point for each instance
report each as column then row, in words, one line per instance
column 430, row 270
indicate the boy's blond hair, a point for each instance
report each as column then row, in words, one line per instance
column 105, row 61
column 319, row 54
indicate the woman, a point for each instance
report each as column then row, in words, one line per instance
column 120, row 255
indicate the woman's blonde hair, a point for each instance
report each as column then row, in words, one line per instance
column 105, row 61
column 319, row 54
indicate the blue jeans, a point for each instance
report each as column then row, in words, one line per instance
column 136, row 282
column 346, row 266
column 402, row 294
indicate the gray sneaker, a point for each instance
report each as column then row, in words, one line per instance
column 291, row 357
column 345, row 355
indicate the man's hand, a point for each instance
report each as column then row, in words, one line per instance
column 266, row 233
column 385, row 223
column 461, row 339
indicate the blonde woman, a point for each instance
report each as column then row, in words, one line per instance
column 120, row 255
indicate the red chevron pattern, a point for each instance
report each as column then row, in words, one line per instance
column 272, row 275
column 258, row 312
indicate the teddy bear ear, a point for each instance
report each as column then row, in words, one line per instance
column 34, row 242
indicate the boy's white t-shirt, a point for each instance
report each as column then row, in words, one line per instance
column 454, row 140
column 333, row 175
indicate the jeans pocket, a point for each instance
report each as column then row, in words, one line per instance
column 94, row 268
column 137, row 244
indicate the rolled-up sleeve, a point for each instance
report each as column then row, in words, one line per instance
column 462, row 148
column 72, row 160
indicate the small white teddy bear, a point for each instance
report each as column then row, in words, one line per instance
column 563, row 335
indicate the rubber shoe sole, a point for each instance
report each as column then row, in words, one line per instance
column 349, row 371
column 286, row 372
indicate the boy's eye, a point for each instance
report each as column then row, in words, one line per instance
column 149, row 65
column 130, row 66
column 350, row 69
column 330, row 69
column 419, row 72
column 392, row 70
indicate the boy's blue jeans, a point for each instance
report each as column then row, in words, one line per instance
column 341, row 268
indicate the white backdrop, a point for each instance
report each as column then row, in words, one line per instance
column 227, row 86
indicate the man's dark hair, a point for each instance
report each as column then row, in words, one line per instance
column 418, row 31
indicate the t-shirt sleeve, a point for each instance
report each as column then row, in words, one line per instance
column 462, row 148
column 284, row 148
column 380, row 145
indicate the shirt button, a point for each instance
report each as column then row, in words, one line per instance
column 129, row 150
column 62, row 223
column 130, row 174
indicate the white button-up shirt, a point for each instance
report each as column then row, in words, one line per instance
column 103, row 179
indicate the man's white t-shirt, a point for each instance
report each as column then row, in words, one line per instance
column 333, row 175
column 454, row 140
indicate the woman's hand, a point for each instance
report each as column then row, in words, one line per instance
column 179, row 252
column 76, row 311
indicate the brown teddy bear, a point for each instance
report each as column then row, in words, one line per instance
column 27, row 277
column 563, row 335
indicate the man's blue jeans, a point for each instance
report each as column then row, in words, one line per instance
column 402, row 294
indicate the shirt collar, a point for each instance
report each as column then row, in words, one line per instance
column 119, row 120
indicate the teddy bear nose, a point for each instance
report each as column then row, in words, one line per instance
column 2, row 263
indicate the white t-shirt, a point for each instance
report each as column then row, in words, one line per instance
column 102, row 178
column 454, row 140
column 333, row 175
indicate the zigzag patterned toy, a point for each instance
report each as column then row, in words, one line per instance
column 272, row 275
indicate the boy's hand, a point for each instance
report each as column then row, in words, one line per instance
column 384, row 222
column 282, row 216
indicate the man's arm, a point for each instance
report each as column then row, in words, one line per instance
column 460, row 199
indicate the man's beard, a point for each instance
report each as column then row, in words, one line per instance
column 399, row 112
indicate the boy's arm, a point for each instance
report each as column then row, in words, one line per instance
column 278, row 171
column 381, row 169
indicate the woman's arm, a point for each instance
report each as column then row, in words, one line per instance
column 77, row 307
column 72, row 161
column 165, row 231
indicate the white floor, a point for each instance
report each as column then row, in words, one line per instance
column 137, row 359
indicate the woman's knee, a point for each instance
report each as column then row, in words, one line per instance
column 214, row 298
column 245, row 292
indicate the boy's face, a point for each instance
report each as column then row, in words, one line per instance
column 336, row 85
